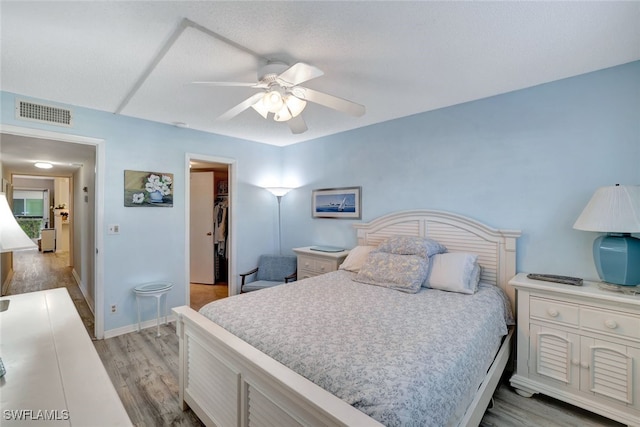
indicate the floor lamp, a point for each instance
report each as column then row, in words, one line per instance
column 279, row 192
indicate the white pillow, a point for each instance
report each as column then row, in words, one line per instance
column 357, row 256
column 454, row 272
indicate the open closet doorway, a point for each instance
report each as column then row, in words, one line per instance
column 209, row 231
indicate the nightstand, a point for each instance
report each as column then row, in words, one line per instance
column 312, row 263
column 579, row 344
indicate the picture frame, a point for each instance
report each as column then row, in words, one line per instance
column 342, row 203
column 148, row 189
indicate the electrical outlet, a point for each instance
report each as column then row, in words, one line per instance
column 113, row 229
column 113, row 308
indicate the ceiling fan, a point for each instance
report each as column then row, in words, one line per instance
column 282, row 96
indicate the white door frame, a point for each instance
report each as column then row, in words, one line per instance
column 231, row 246
column 98, row 209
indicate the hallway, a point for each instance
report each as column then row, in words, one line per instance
column 38, row 271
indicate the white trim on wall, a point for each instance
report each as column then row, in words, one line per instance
column 231, row 164
column 99, row 206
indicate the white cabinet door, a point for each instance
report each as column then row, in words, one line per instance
column 608, row 370
column 201, row 228
column 554, row 357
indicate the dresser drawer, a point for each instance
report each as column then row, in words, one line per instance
column 319, row 266
column 554, row 311
column 306, row 263
column 305, row 274
column 610, row 322
column 324, row 266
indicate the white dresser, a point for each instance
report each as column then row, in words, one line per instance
column 579, row 344
column 54, row 374
column 312, row 263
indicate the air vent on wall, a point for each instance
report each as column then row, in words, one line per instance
column 43, row 113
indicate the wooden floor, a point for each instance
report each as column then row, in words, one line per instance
column 38, row 271
column 201, row 294
column 144, row 368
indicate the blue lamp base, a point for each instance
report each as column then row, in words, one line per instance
column 617, row 258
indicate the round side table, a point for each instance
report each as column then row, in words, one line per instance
column 157, row 290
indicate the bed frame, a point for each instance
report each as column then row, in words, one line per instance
column 227, row 382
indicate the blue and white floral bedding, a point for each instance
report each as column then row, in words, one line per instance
column 403, row 359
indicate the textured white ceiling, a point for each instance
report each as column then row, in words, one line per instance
column 396, row 58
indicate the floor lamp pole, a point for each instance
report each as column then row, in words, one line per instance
column 279, row 192
column 279, row 226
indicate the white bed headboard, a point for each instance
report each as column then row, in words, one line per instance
column 496, row 249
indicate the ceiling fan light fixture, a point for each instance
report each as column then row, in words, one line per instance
column 283, row 114
column 261, row 108
column 295, row 105
column 272, row 100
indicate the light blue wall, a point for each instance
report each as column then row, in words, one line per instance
column 527, row 160
column 152, row 240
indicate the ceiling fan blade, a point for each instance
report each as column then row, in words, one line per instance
column 241, row 107
column 330, row 101
column 231, row 84
column 298, row 73
column 297, row 124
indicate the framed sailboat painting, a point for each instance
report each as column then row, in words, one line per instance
column 336, row 203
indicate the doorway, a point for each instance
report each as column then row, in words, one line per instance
column 210, row 231
column 79, row 160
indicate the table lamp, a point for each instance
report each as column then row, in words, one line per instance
column 12, row 237
column 616, row 211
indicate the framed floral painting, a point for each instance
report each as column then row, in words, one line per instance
column 145, row 189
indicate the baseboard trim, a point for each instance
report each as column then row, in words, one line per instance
column 133, row 328
column 84, row 290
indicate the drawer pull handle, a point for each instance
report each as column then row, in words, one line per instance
column 585, row 365
column 576, row 362
column 552, row 312
column 611, row 324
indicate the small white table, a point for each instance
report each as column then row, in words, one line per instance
column 313, row 262
column 157, row 290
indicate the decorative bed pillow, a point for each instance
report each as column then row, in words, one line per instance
column 357, row 256
column 400, row 272
column 454, row 272
column 411, row 245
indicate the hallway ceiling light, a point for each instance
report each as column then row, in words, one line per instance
column 43, row 165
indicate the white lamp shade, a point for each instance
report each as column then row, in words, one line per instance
column 613, row 209
column 283, row 114
column 262, row 109
column 278, row 191
column 12, row 237
column 295, row 105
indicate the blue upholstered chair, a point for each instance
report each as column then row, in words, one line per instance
column 272, row 270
